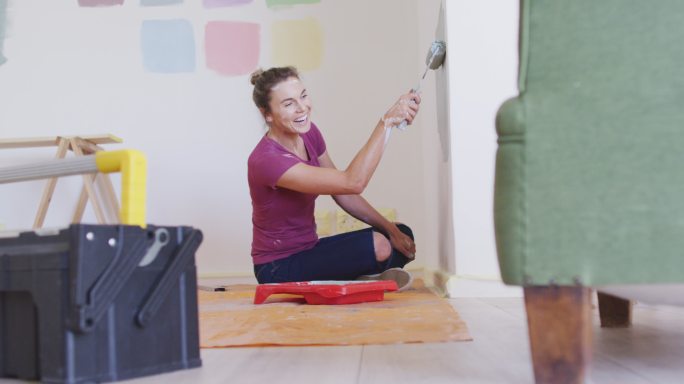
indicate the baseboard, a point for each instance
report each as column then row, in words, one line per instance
column 223, row 275
column 453, row 285
column 435, row 279
column 239, row 278
column 443, row 283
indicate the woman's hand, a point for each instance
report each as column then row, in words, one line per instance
column 405, row 108
column 402, row 243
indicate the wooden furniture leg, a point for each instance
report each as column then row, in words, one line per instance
column 615, row 312
column 559, row 322
column 49, row 187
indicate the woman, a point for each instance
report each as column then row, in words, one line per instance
column 290, row 167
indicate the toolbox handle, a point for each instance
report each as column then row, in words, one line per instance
column 110, row 283
column 184, row 254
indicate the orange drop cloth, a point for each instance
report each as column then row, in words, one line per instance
column 229, row 319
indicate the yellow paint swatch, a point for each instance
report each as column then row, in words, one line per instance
column 389, row 213
column 348, row 223
column 324, row 223
column 298, row 43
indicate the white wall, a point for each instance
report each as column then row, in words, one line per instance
column 72, row 70
column 79, row 71
column 483, row 57
column 436, row 151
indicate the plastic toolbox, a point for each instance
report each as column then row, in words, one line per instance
column 93, row 303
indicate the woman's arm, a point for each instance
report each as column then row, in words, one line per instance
column 359, row 208
column 353, row 180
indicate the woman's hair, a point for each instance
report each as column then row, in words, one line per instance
column 264, row 81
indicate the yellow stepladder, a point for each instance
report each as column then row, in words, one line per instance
column 131, row 164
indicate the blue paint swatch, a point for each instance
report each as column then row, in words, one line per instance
column 168, row 46
column 152, row 3
column 3, row 6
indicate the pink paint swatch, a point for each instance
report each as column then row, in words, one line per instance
column 99, row 3
column 232, row 48
column 224, row 3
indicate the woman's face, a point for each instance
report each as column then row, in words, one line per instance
column 290, row 107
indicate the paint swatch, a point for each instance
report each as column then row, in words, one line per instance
column 99, row 3
column 154, row 3
column 224, row 3
column 232, row 48
column 168, row 46
column 278, row 3
column 298, row 43
column 3, row 7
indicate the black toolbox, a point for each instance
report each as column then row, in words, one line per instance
column 93, row 303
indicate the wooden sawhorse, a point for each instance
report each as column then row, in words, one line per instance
column 106, row 207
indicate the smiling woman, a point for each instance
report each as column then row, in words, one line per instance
column 290, row 167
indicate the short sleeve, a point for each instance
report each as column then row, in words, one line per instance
column 267, row 167
column 317, row 140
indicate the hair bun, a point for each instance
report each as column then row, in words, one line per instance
column 255, row 76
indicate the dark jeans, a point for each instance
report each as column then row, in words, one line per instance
column 341, row 257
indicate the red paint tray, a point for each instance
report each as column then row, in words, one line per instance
column 329, row 292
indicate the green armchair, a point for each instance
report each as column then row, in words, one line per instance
column 589, row 187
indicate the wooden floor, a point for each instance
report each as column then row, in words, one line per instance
column 652, row 351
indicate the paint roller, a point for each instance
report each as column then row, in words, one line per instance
column 435, row 58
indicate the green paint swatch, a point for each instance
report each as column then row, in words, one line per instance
column 278, row 3
column 3, row 6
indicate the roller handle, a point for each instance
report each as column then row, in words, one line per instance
column 404, row 123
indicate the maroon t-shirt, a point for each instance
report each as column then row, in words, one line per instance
column 282, row 219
